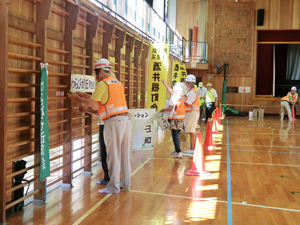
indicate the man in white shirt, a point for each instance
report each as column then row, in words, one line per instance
column 201, row 90
column 211, row 101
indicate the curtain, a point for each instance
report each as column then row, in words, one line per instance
column 293, row 62
column 264, row 78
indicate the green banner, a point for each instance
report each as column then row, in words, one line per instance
column 44, row 126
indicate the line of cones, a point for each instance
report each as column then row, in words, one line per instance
column 198, row 165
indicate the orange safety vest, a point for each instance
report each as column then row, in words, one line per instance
column 179, row 112
column 285, row 98
column 116, row 103
column 292, row 97
column 195, row 105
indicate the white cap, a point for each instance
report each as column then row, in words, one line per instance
column 294, row 88
column 102, row 63
column 191, row 78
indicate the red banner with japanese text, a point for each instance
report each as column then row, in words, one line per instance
column 158, row 69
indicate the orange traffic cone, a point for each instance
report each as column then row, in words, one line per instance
column 293, row 114
column 208, row 143
column 198, row 166
column 214, row 124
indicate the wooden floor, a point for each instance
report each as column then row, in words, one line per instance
column 265, row 183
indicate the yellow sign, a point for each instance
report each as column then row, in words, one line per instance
column 158, row 69
column 179, row 73
column 175, row 73
column 183, row 73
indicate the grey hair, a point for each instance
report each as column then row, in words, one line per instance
column 180, row 88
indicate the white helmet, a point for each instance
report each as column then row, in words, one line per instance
column 191, row 78
column 103, row 63
column 294, row 89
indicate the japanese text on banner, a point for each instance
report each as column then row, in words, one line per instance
column 183, row 73
column 83, row 83
column 176, row 75
column 158, row 69
column 44, row 127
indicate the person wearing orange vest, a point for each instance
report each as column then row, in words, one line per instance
column 293, row 96
column 112, row 108
column 192, row 105
column 100, row 123
column 176, row 116
column 285, row 105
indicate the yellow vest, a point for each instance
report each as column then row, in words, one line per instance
column 209, row 96
column 116, row 103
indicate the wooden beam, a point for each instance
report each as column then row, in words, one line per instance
column 119, row 45
column 107, row 38
column 70, row 25
column 137, row 54
column 144, row 68
column 3, row 109
column 43, row 10
column 91, row 32
column 129, row 47
column 21, row 24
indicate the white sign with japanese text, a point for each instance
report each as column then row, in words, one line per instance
column 83, row 83
column 142, row 133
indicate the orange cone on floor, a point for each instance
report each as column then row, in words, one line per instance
column 293, row 114
column 198, row 166
column 208, row 142
column 214, row 124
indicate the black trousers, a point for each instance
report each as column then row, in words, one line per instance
column 210, row 107
column 103, row 153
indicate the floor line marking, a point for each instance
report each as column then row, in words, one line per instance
column 215, row 200
column 105, row 198
column 263, row 146
column 264, row 164
column 211, row 161
column 265, row 151
column 229, row 203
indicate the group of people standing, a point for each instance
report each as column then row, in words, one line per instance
column 185, row 108
column 115, row 126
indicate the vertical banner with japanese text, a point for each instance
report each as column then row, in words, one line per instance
column 175, row 73
column 183, row 73
column 158, row 69
column 44, row 126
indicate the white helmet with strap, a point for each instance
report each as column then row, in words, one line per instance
column 190, row 78
column 294, row 89
column 102, row 64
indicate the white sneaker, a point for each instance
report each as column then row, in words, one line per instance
column 173, row 152
column 189, row 151
column 106, row 191
column 177, row 155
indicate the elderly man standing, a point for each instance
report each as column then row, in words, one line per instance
column 211, row 101
column 201, row 90
column 112, row 108
column 293, row 96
